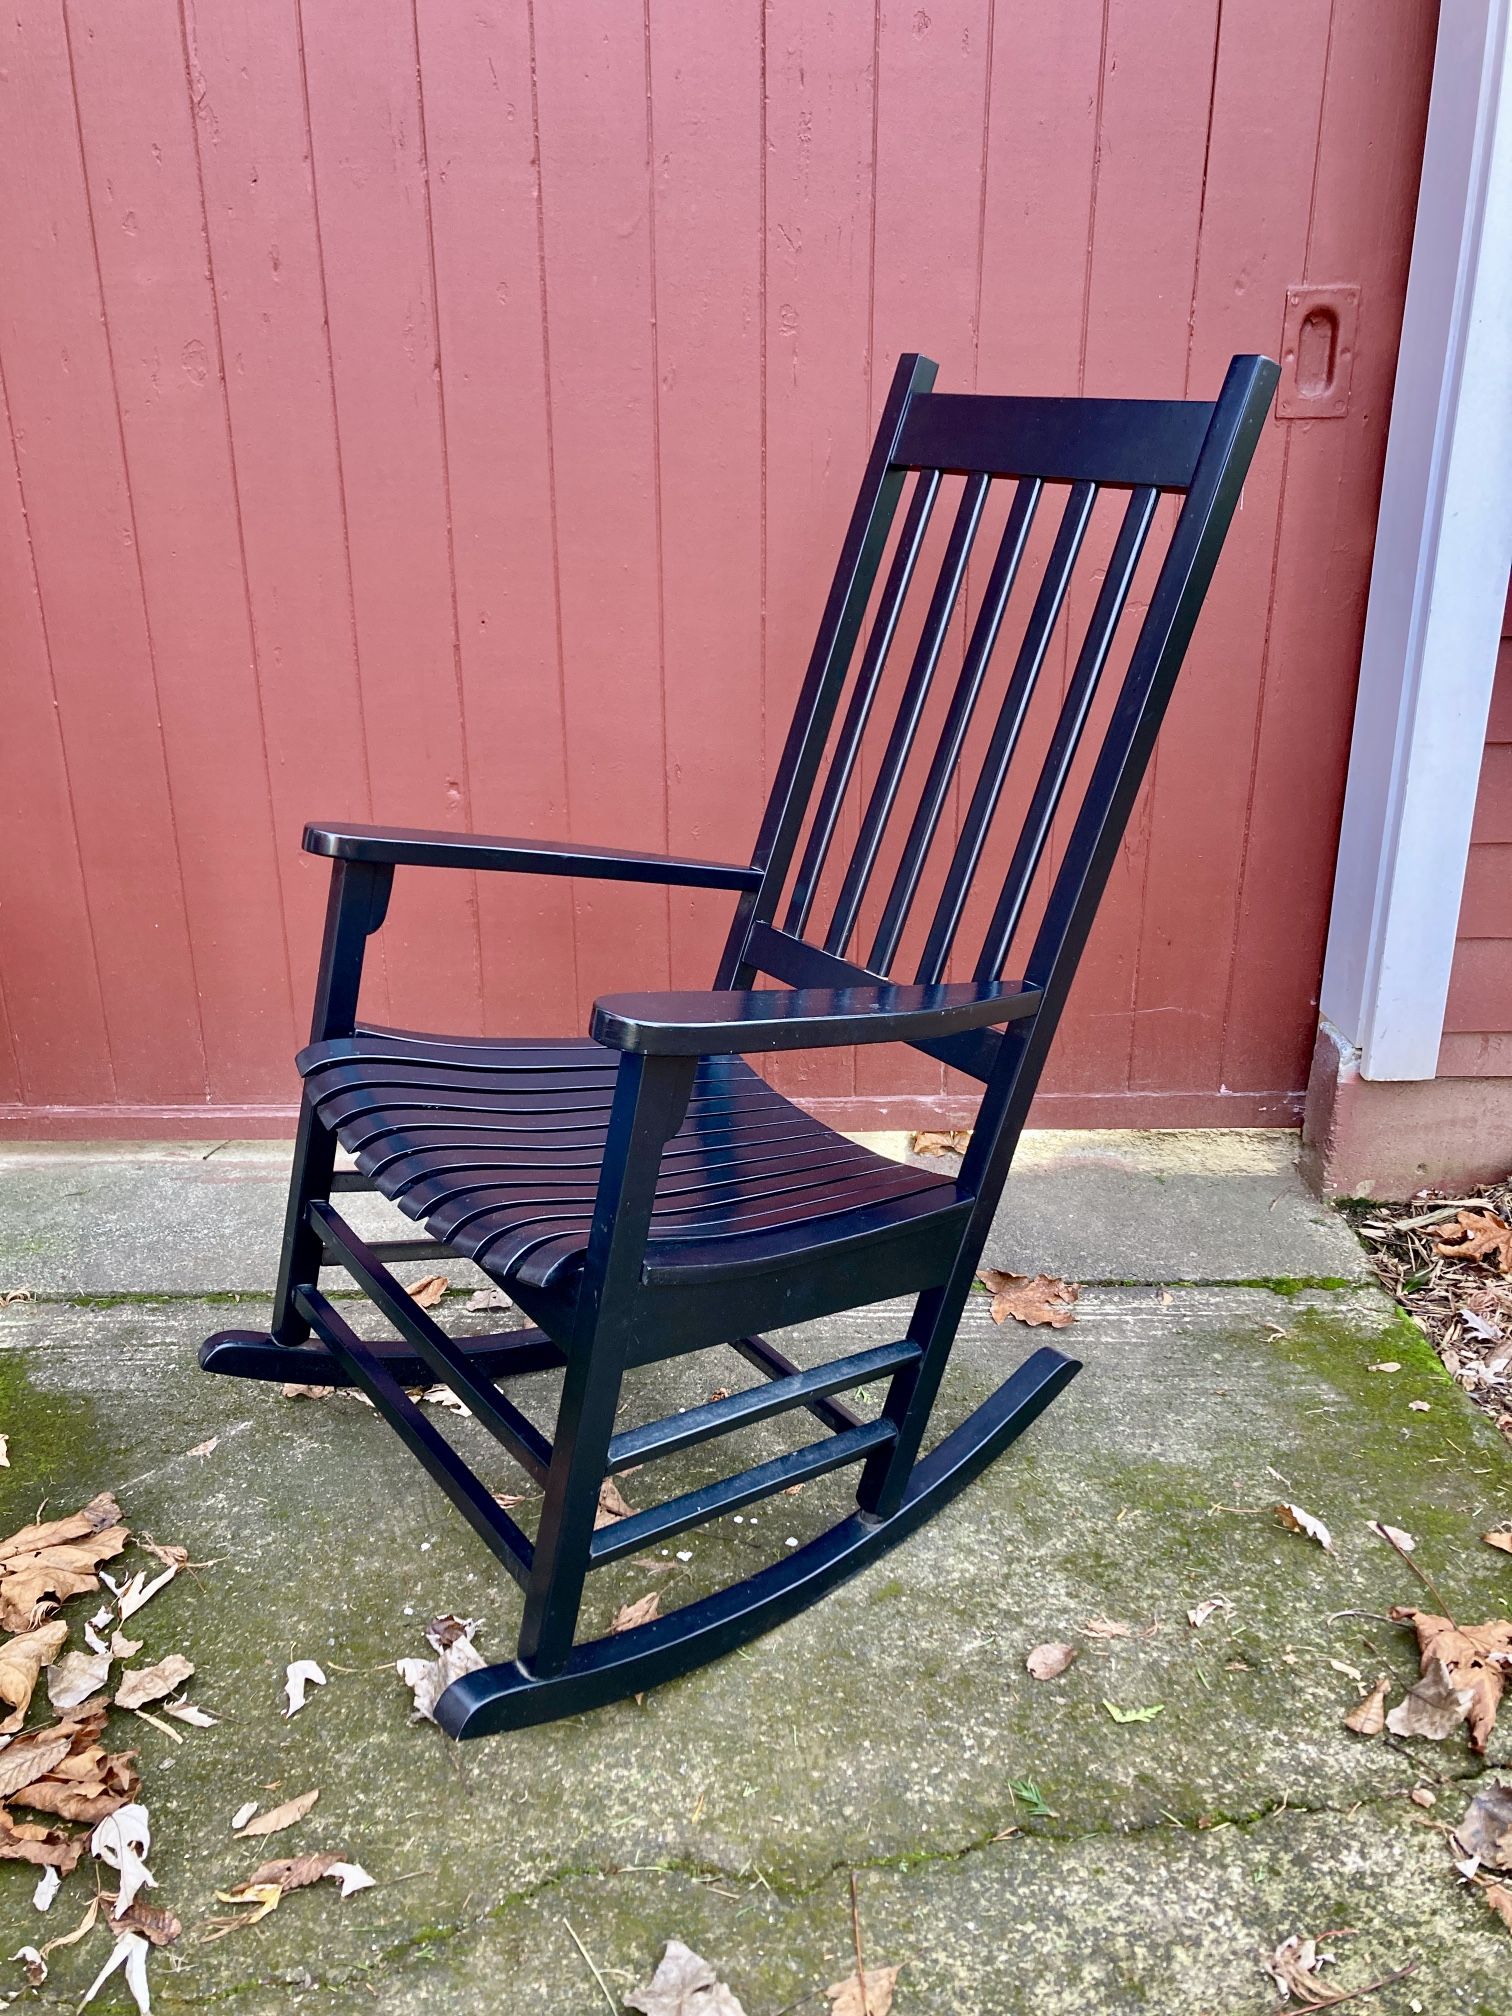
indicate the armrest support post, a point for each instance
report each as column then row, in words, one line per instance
column 355, row 909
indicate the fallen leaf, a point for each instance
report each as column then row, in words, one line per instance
column 1476, row 1235
column 1480, row 1327
column 21, row 1663
column 1134, row 1714
column 629, row 1615
column 75, row 1777
column 123, row 1841
column 1298, row 1521
column 1294, row 1969
column 35, row 1965
column 1386, row 1365
column 76, row 1676
column 190, row 1712
column 130, row 1596
column 1500, row 1900
column 43, row 1847
column 1418, row 1407
column 1433, row 1707
column 487, row 1298
column 1048, row 1662
column 953, row 1142
column 131, row 1954
column 868, row 1995
column 292, row 1810
column 292, row 1873
column 242, row 1815
column 1107, row 1627
column 1421, row 1796
column 447, row 1629
column 684, row 1984
column 509, row 1499
column 46, row 1564
column 10, row 1295
column 1486, row 1830
column 1476, row 1657
column 151, row 1683
column 81, row 1930
column 443, row 1396
column 157, row 1925
column 48, row 1885
column 1501, row 1537
column 293, row 1390
column 263, row 1897
column 612, row 1504
column 428, row 1679
column 302, row 1674
column 204, row 1448
column 430, row 1289
column 4, row 1452
column 1030, row 1298
column 1393, row 1534
column 1368, row 1717
column 1208, row 1607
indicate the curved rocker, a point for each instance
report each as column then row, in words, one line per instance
column 610, row 1669
column 641, row 1192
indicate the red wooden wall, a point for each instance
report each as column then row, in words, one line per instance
column 1478, row 1015
column 446, row 415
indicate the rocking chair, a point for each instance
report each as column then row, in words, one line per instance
column 641, row 1192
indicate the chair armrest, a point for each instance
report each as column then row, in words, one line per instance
column 802, row 1018
column 408, row 846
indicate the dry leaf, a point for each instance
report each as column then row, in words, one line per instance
column 242, row 1815
column 1501, row 1537
column 1421, row 1796
column 48, row 1885
column 430, row 1290
column 1298, row 1521
column 686, row 1985
column 122, row 1647
column 868, row 1996
column 43, row 1565
column 297, row 1871
column 76, row 1779
column 1418, row 1407
column 283, row 1816
column 76, row 1676
column 1107, row 1627
column 428, row 1679
column 1030, row 1298
column 443, row 1396
column 21, row 1663
column 1477, row 1235
column 302, row 1674
column 190, row 1712
column 131, row 1953
column 157, row 1925
column 953, row 1142
column 122, row 1841
column 130, row 1596
column 204, row 1448
column 43, row 1847
column 612, row 1504
column 1386, row 1365
column 1392, row 1534
column 1500, row 1900
column 35, row 1965
column 1486, row 1830
column 1368, row 1717
column 81, row 1930
column 4, row 1452
column 293, row 1390
column 1475, row 1656
column 263, row 1897
column 1433, row 1707
column 1294, row 1969
column 641, row 1611
column 151, row 1683
column 1208, row 1607
column 1048, row 1662
column 487, row 1298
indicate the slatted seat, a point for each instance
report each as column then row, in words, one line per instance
column 640, row 1191
column 498, row 1148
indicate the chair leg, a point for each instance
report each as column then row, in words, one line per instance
column 911, row 1398
column 299, row 1260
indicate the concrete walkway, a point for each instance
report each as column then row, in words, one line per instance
column 1016, row 1848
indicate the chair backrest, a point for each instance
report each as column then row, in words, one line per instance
column 879, row 844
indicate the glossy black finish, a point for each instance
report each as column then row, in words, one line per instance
column 643, row 1193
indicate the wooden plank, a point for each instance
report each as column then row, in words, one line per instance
column 1363, row 206
column 1480, row 986
column 1486, row 904
column 1493, row 801
column 485, row 204
column 57, row 367
column 253, row 148
column 137, row 130
column 595, row 194
column 370, row 183
column 707, row 103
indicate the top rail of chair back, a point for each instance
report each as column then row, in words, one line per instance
column 1116, row 443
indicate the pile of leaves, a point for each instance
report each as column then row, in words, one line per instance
column 1448, row 1262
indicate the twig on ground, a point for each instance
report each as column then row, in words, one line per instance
column 603, row 1985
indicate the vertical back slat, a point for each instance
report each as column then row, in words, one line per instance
column 905, row 726
column 1051, row 782
column 963, row 701
column 1043, row 617
column 858, row 709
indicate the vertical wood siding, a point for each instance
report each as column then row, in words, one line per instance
column 447, row 416
column 1478, row 1015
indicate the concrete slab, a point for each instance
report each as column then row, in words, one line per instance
column 1111, row 1206
column 890, row 1730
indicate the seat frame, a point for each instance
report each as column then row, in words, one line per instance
column 633, row 1299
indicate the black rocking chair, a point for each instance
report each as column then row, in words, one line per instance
column 642, row 1192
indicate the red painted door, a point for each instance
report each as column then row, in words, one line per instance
column 447, row 416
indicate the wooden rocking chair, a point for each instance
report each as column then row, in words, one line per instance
column 641, row 1192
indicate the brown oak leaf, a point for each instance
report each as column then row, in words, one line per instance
column 1476, row 1658
column 1477, row 1235
column 21, row 1663
column 871, row 1995
column 1486, row 1830
column 83, row 1782
column 684, row 1984
column 1030, row 1298
column 641, row 1611
column 430, row 1290
column 45, row 1847
column 43, row 1565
